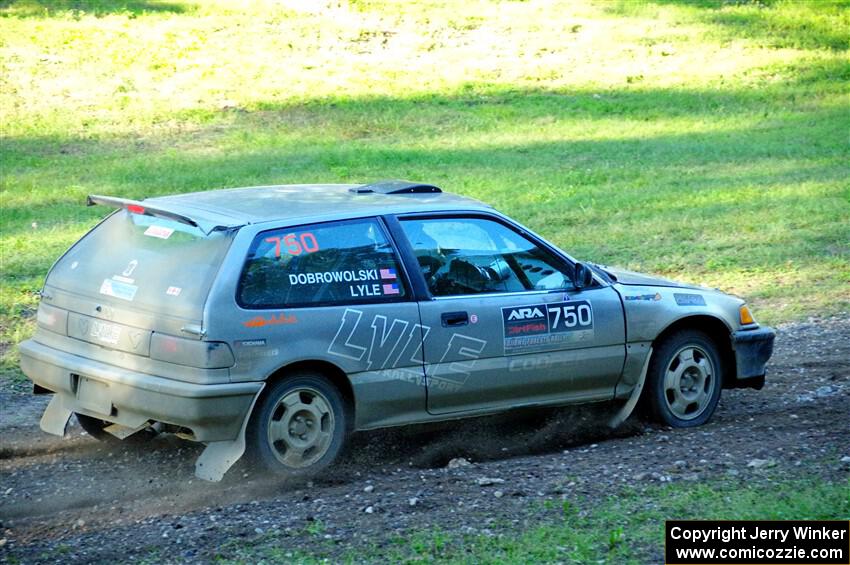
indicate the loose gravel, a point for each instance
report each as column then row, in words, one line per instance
column 75, row 500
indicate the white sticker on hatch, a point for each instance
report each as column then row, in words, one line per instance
column 118, row 289
column 161, row 232
column 173, row 291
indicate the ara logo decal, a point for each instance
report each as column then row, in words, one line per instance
column 525, row 314
column 260, row 321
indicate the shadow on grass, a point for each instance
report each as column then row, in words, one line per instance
column 798, row 25
column 360, row 139
column 49, row 8
column 772, row 155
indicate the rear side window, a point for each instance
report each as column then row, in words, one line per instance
column 321, row 264
column 146, row 262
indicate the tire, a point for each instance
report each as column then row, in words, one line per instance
column 299, row 427
column 95, row 428
column 684, row 379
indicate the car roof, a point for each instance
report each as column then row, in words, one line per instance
column 316, row 202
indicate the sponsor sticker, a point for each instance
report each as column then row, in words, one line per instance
column 539, row 327
column 261, row 321
column 174, row 291
column 131, row 266
column 644, row 297
column 249, row 349
column 161, row 232
column 118, row 289
column 689, row 299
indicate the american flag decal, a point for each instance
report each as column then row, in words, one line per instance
column 390, row 289
column 388, row 274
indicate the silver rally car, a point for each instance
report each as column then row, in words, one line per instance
column 277, row 320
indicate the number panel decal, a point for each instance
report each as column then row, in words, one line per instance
column 293, row 244
column 570, row 316
column 544, row 327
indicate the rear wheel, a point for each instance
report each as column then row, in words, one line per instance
column 299, row 427
column 685, row 379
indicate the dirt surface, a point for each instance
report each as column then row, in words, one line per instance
column 77, row 500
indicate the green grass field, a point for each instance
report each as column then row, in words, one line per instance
column 703, row 140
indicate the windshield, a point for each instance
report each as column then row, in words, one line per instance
column 145, row 261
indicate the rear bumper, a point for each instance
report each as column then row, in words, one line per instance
column 753, row 349
column 213, row 412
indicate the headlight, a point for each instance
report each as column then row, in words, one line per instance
column 745, row 316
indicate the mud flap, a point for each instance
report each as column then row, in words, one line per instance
column 626, row 410
column 219, row 456
column 55, row 418
column 123, row 432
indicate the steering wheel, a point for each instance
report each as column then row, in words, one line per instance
column 429, row 266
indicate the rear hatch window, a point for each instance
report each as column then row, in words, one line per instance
column 138, row 261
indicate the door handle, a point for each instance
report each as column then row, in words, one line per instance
column 454, row 319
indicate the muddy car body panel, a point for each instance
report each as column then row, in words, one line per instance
column 417, row 305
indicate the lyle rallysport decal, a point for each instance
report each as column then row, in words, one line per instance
column 540, row 327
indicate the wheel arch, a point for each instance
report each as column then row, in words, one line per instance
column 716, row 329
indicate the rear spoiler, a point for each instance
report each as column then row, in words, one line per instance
column 138, row 207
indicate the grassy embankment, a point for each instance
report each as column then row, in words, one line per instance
column 706, row 141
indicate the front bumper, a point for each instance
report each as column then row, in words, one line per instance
column 753, row 349
column 213, row 412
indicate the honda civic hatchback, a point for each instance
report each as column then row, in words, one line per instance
column 277, row 320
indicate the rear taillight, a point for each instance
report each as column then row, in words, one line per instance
column 53, row 319
column 191, row 352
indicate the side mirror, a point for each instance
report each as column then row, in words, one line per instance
column 584, row 276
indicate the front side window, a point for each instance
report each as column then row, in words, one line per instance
column 475, row 256
column 333, row 263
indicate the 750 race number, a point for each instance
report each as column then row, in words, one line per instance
column 566, row 316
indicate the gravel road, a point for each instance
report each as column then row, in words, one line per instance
column 77, row 500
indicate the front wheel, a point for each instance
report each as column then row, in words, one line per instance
column 299, row 427
column 685, row 379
